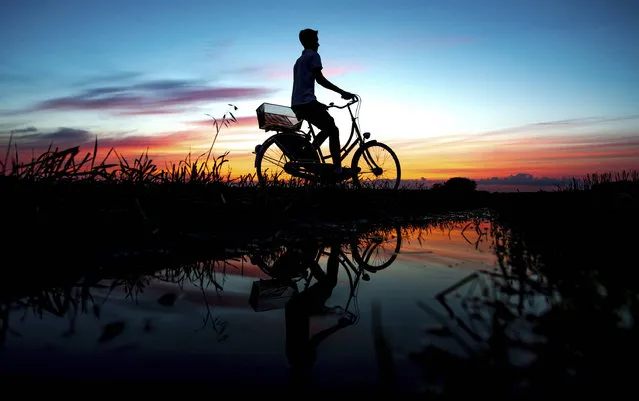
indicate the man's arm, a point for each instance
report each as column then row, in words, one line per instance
column 316, row 339
column 321, row 79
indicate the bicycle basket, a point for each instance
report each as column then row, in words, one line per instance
column 274, row 117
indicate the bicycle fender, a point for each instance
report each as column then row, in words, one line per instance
column 263, row 144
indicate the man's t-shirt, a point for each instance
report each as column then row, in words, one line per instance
column 303, row 81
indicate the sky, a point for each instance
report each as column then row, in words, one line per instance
column 522, row 93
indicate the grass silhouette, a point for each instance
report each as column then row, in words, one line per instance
column 63, row 199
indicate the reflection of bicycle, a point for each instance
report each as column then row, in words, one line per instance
column 289, row 154
column 377, row 249
column 371, row 251
column 295, row 262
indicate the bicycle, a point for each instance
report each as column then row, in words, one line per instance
column 370, row 252
column 289, row 154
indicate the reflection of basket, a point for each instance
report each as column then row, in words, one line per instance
column 271, row 294
column 273, row 117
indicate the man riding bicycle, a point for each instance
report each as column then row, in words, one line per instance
column 308, row 70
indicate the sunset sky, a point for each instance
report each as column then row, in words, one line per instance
column 523, row 92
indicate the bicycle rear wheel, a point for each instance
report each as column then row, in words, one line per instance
column 378, row 166
column 273, row 155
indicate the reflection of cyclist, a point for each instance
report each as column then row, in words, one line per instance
column 301, row 348
column 308, row 70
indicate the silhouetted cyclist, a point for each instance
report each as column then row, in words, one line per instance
column 308, row 70
column 301, row 348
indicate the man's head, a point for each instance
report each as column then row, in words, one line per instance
column 308, row 38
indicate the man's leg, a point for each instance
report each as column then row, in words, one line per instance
column 333, row 143
column 317, row 115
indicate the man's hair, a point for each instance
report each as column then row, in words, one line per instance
column 308, row 36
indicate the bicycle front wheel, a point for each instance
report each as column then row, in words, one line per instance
column 377, row 249
column 378, row 166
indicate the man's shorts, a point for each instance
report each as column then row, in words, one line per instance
column 315, row 113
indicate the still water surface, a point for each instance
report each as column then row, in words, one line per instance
column 226, row 320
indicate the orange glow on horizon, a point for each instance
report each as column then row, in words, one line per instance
column 439, row 158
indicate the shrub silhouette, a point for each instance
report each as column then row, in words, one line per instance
column 459, row 185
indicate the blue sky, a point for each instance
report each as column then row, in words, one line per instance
column 476, row 78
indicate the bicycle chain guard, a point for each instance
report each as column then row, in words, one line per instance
column 308, row 169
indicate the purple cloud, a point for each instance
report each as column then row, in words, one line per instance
column 153, row 97
column 91, row 102
column 62, row 137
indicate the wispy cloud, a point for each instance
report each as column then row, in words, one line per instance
column 545, row 132
column 117, row 76
column 21, row 131
column 551, row 125
column 152, row 97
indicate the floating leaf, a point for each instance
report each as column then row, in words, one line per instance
column 167, row 299
column 111, row 330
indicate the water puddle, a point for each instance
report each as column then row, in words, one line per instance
column 343, row 310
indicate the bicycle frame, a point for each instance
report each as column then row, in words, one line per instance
column 353, row 272
column 355, row 132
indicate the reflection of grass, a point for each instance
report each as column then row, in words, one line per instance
column 77, row 296
column 577, row 259
column 72, row 292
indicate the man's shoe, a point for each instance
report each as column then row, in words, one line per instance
column 344, row 173
column 347, row 171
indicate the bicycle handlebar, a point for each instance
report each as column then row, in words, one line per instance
column 354, row 100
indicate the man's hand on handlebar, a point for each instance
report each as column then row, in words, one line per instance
column 347, row 96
